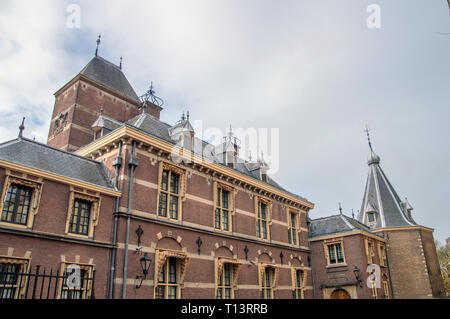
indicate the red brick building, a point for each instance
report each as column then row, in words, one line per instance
column 344, row 255
column 149, row 210
column 213, row 224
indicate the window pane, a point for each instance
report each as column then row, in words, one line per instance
column 331, row 254
column 217, row 218
column 224, row 199
column 263, row 211
column 172, row 270
column 227, row 274
column 264, row 229
column 225, row 219
column 340, row 255
column 289, row 236
column 172, row 292
column 227, row 293
column 162, row 274
column 293, row 224
column 219, row 193
column 162, row 205
column 160, row 290
column 173, row 207
column 174, row 181
column 164, row 180
column 219, row 293
column 258, row 228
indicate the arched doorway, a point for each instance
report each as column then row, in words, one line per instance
column 340, row 294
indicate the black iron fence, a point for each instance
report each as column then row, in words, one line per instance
column 18, row 283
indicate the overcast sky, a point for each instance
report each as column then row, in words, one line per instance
column 312, row 69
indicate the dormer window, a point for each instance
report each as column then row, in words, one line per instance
column 371, row 218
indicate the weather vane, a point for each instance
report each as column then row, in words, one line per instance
column 368, row 136
column 150, row 96
column 98, row 43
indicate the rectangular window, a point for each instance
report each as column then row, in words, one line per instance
column 335, row 254
column 222, row 212
column 382, row 253
column 374, row 291
column 371, row 218
column 16, row 206
column 78, row 289
column 224, row 285
column 167, row 287
column 267, row 284
column 293, row 228
column 299, row 284
column 11, row 279
column 169, row 195
column 262, row 221
column 386, row 290
column 80, row 217
column 370, row 252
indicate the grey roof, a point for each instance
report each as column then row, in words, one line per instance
column 106, row 122
column 45, row 158
column 110, row 75
column 335, row 224
column 381, row 197
column 159, row 129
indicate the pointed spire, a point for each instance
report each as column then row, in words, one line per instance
column 98, row 43
column 373, row 158
column 21, row 128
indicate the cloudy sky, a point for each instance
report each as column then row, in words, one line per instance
column 312, row 69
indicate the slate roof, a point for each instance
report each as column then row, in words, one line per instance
column 110, row 75
column 45, row 158
column 381, row 197
column 159, row 129
column 335, row 224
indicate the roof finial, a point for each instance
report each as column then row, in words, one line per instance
column 368, row 137
column 187, row 116
column 120, row 66
column 101, row 109
column 21, row 127
column 353, row 214
column 249, row 155
column 183, row 117
column 340, row 208
column 98, row 43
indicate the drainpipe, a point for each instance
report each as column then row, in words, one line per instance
column 132, row 164
column 117, row 163
column 308, row 222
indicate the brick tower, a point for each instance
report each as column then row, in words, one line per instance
column 99, row 88
column 411, row 252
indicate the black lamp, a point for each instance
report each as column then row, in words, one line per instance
column 356, row 271
column 145, row 264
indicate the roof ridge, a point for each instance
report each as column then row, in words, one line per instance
column 57, row 149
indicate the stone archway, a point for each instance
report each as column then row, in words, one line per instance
column 340, row 294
